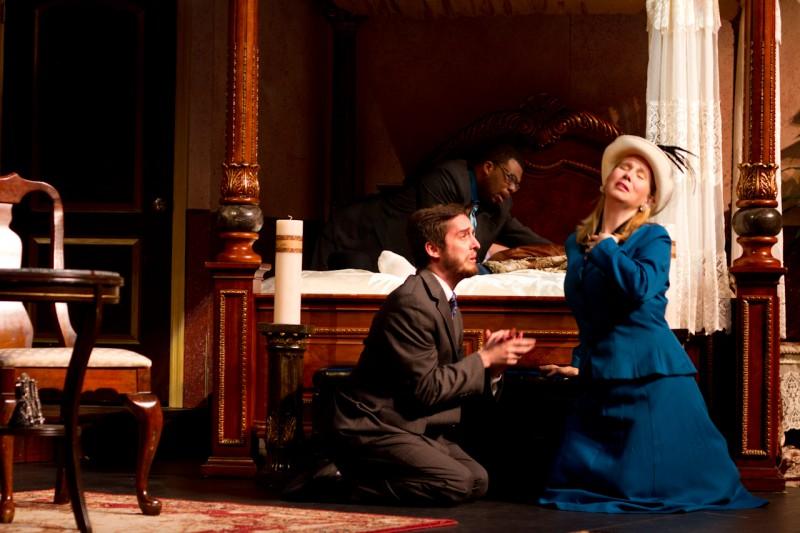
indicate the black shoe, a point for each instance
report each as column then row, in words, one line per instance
column 322, row 483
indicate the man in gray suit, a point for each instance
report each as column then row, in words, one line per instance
column 395, row 419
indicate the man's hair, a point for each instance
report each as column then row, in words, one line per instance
column 500, row 153
column 430, row 225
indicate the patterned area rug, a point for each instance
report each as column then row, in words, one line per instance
column 120, row 513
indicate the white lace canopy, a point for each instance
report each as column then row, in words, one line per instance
column 683, row 109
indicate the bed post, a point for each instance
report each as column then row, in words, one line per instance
column 236, row 267
column 757, row 272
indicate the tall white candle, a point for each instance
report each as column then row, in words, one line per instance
column 288, row 270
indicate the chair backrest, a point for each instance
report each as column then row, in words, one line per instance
column 13, row 188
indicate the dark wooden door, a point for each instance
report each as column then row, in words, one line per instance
column 88, row 106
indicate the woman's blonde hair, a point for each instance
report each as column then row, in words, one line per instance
column 589, row 225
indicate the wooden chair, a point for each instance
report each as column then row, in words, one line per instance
column 124, row 373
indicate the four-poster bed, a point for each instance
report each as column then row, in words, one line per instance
column 562, row 152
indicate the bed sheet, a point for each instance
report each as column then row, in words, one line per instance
column 353, row 281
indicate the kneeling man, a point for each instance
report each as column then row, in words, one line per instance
column 394, row 420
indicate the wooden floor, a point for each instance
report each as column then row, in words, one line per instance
column 110, row 449
column 182, row 479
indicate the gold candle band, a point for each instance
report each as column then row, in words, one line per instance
column 292, row 244
column 287, row 248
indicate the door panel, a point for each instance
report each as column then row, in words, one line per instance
column 88, row 106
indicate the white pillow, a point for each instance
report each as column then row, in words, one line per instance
column 394, row 264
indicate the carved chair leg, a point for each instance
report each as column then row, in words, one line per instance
column 7, row 464
column 7, row 505
column 147, row 410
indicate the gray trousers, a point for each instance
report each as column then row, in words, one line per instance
column 404, row 468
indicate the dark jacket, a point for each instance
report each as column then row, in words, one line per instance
column 356, row 235
column 412, row 373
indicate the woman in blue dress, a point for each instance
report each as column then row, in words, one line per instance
column 640, row 438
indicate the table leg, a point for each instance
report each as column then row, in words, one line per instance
column 89, row 317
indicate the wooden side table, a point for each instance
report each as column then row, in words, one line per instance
column 88, row 291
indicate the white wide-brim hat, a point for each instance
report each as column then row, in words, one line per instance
column 660, row 165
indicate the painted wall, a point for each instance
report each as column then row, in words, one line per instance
column 295, row 75
column 419, row 81
column 202, row 78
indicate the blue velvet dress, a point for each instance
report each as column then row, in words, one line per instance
column 640, row 438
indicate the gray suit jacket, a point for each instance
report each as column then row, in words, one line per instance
column 412, row 372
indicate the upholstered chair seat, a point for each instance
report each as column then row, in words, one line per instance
column 59, row 358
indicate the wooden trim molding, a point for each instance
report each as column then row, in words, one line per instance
column 765, row 359
column 238, row 298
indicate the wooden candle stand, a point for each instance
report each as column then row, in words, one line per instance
column 286, row 346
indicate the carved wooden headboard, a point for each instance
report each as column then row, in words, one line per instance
column 561, row 149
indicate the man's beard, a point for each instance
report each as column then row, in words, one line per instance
column 460, row 269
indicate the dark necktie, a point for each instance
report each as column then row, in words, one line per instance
column 458, row 327
column 453, row 305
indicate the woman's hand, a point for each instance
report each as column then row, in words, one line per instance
column 597, row 237
column 551, row 371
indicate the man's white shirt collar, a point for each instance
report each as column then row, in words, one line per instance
column 448, row 292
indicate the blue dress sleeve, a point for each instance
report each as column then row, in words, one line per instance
column 640, row 266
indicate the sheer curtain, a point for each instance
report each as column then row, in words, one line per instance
column 683, row 109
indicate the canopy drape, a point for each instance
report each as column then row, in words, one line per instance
column 683, row 109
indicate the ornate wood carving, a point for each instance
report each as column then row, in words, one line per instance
column 240, row 183
column 234, row 363
column 539, row 122
column 759, row 443
column 237, row 267
column 757, row 187
column 237, row 301
column 757, row 183
column 239, row 216
column 757, row 272
column 473, row 340
column 758, row 401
